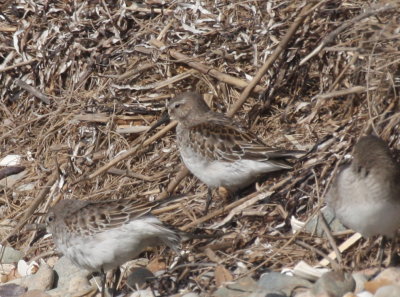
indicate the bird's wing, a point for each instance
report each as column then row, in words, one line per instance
column 105, row 215
column 222, row 139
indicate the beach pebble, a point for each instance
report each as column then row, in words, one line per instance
column 275, row 282
column 43, row 279
column 65, row 269
column 364, row 294
column 243, row 287
column 138, row 277
column 334, row 284
column 314, row 225
column 388, row 291
column 71, row 279
column 35, row 293
column 305, row 294
column 360, row 280
column 11, row 290
column 191, row 294
column 142, row 293
column 389, row 276
column 10, row 255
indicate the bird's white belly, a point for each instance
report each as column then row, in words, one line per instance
column 366, row 209
column 231, row 175
column 106, row 250
column 112, row 248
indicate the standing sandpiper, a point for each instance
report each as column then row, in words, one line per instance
column 365, row 195
column 219, row 151
column 100, row 236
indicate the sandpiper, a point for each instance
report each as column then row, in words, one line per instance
column 365, row 194
column 101, row 235
column 218, row 150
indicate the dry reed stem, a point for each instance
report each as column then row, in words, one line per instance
column 33, row 206
column 279, row 49
column 101, row 70
column 192, row 62
column 332, row 35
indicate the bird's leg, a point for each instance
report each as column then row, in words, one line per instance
column 103, row 282
column 209, row 199
column 117, row 276
column 381, row 251
column 152, row 289
column 393, row 256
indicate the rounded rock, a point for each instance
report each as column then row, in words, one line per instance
column 35, row 293
column 10, row 255
column 275, row 282
column 389, row 276
column 65, row 268
column 364, row 294
column 191, row 294
column 78, row 283
column 67, row 271
column 360, row 280
column 305, row 294
column 388, row 291
column 11, row 290
column 43, row 279
column 334, row 284
column 142, row 293
column 138, row 277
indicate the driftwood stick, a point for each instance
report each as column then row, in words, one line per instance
column 281, row 46
column 32, row 208
column 130, row 152
column 35, row 92
column 334, row 264
column 7, row 171
column 344, row 92
column 234, row 204
column 331, row 36
column 17, row 65
column 182, row 173
column 192, row 62
column 218, row 212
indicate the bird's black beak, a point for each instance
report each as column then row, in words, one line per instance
column 40, row 231
column 164, row 119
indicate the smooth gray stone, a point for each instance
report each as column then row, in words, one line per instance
column 65, row 268
column 138, row 277
column 388, row 291
column 35, row 293
column 263, row 293
column 334, row 284
column 265, row 287
column 191, row 294
column 314, row 226
column 278, row 283
column 43, row 279
column 11, row 290
column 241, row 288
column 10, row 255
column 71, row 279
column 360, row 280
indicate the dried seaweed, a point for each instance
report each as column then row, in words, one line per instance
column 74, row 75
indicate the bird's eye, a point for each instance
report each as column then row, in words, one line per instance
column 50, row 219
column 177, row 105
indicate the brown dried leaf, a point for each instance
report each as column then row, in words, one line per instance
column 156, row 264
column 222, row 275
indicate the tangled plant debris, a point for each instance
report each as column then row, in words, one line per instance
column 82, row 83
